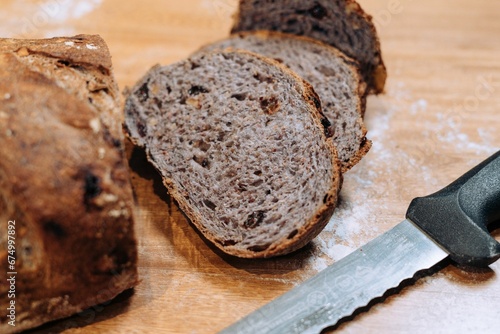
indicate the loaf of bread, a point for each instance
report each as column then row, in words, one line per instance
column 241, row 144
column 64, row 181
column 334, row 77
column 340, row 23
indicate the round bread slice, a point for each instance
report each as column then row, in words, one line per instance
column 340, row 23
column 241, row 144
column 334, row 77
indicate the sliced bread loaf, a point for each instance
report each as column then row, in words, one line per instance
column 341, row 23
column 64, row 185
column 334, row 77
column 240, row 143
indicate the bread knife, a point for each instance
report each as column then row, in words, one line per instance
column 451, row 223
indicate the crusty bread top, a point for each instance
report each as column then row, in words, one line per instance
column 241, row 145
column 340, row 23
column 80, row 49
column 79, row 64
column 334, row 76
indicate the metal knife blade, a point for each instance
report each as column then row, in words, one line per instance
column 450, row 223
column 350, row 283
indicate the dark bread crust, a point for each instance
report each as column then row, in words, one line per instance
column 255, row 41
column 65, row 182
column 340, row 23
column 81, row 65
column 77, row 50
column 307, row 231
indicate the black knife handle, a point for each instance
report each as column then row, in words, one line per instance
column 457, row 216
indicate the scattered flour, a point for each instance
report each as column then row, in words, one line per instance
column 222, row 8
column 61, row 11
column 391, row 173
column 418, row 106
column 48, row 18
column 450, row 131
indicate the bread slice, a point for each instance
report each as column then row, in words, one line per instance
column 334, row 77
column 340, row 23
column 64, row 182
column 240, row 143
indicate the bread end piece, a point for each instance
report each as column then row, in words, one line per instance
column 63, row 179
column 341, row 23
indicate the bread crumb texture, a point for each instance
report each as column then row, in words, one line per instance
column 334, row 76
column 239, row 142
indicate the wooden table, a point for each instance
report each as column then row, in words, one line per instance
column 438, row 117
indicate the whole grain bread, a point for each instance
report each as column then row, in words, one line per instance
column 241, row 144
column 64, row 182
column 334, row 77
column 340, row 23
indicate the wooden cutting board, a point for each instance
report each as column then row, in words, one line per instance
column 438, row 117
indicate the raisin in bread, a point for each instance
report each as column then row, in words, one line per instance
column 341, row 23
column 241, row 144
column 334, row 77
column 63, row 179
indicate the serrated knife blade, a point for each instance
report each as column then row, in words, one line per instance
column 450, row 223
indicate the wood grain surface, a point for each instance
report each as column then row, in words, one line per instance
column 438, row 117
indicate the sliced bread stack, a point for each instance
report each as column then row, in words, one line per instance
column 240, row 136
column 241, row 144
column 334, row 76
column 340, row 23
